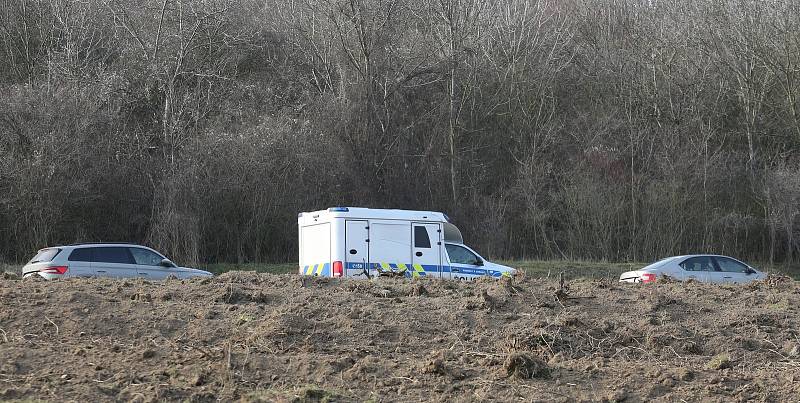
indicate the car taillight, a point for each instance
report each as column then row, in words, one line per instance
column 338, row 269
column 648, row 277
column 54, row 270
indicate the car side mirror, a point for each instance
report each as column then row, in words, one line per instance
column 479, row 262
column 749, row 271
column 166, row 263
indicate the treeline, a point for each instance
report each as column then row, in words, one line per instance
column 598, row 129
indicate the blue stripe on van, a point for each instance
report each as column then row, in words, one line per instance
column 429, row 269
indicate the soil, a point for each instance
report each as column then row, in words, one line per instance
column 259, row 337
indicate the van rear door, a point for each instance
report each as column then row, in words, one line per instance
column 315, row 250
column 427, row 249
column 356, row 240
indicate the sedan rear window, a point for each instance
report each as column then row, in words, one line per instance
column 699, row 263
column 45, row 255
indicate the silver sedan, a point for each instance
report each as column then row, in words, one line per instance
column 704, row 268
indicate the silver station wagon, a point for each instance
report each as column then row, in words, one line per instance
column 105, row 260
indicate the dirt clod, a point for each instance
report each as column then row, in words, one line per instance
column 418, row 290
column 435, row 366
column 618, row 395
column 525, row 366
column 199, row 379
column 720, row 361
column 685, row 374
column 142, row 296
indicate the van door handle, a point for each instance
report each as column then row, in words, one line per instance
column 101, row 271
column 454, row 270
column 419, row 253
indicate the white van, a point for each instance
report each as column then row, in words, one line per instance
column 362, row 242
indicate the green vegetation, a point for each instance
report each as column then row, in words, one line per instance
column 274, row 268
column 533, row 268
column 573, row 268
column 589, row 269
column 792, row 271
column 16, row 269
column 536, row 268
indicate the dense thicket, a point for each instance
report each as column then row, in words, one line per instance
column 601, row 129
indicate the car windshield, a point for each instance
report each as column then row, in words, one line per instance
column 45, row 255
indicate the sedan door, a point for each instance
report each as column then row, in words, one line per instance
column 701, row 268
column 734, row 271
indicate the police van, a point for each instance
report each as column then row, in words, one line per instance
column 363, row 242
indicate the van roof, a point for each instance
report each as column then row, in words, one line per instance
column 451, row 232
column 372, row 213
column 98, row 243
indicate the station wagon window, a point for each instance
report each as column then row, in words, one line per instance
column 81, row 255
column 699, row 263
column 730, row 265
column 112, row 255
column 461, row 255
column 421, row 239
column 45, row 255
column 145, row 257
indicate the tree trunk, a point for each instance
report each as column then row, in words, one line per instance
column 452, row 135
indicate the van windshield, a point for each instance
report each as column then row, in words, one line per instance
column 45, row 255
column 452, row 233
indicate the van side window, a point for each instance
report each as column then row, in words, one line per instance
column 112, row 255
column 421, row 239
column 81, row 255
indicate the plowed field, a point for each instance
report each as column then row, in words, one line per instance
column 263, row 337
